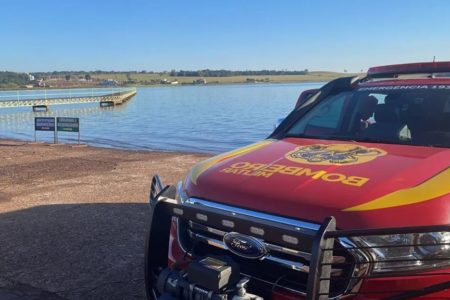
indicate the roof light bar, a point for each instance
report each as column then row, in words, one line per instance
column 414, row 68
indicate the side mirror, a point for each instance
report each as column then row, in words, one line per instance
column 278, row 122
column 304, row 96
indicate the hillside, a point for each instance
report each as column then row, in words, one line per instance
column 155, row 78
column 74, row 79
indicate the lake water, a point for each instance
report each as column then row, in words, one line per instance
column 211, row 118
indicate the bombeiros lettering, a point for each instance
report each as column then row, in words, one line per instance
column 269, row 170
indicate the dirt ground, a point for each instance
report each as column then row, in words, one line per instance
column 72, row 219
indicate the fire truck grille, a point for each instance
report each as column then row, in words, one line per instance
column 286, row 265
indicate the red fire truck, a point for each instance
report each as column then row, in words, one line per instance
column 348, row 198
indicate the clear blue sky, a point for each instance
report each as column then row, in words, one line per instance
column 45, row 35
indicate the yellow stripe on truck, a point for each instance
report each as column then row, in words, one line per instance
column 436, row 186
column 201, row 167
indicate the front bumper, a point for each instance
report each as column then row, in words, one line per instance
column 162, row 249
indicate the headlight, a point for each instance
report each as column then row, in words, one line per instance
column 407, row 252
column 181, row 192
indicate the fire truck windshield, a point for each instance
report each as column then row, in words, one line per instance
column 413, row 115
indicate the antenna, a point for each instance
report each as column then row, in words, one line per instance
column 432, row 74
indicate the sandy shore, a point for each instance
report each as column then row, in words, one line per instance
column 72, row 219
column 43, row 174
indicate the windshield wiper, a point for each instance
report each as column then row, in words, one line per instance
column 346, row 138
column 372, row 140
column 303, row 136
column 327, row 137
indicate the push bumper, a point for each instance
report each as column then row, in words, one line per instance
column 364, row 285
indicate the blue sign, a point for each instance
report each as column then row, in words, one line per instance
column 44, row 123
column 68, row 124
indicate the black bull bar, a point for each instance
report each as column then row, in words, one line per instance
column 163, row 207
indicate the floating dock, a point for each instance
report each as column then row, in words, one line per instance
column 41, row 102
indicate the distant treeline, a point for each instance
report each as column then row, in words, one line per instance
column 13, row 80
column 12, row 77
column 180, row 73
column 97, row 72
column 228, row 73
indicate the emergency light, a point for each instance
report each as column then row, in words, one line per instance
column 414, row 68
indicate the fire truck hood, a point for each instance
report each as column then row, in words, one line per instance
column 363, row 185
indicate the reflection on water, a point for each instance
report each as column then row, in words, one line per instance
column 19, row 118
column 19, row 122
column 186, row 118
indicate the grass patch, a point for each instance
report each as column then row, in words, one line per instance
column 146, row 78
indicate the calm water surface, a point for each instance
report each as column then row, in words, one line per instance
column 209, row 119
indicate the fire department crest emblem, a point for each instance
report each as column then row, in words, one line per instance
column 334, row 154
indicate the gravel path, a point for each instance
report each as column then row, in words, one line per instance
column 72, row 220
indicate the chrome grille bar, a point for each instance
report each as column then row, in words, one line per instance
column 301, row 226
column 286, row 263
column 269, row 246
column 283, row 262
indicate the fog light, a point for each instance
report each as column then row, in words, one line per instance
column 178, row 211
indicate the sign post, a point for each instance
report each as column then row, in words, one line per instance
column 45, row 124
column 68, row 125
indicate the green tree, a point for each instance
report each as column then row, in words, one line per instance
column 12, row 79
